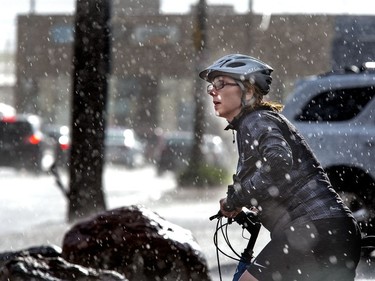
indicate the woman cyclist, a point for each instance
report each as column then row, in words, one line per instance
column 314, row 236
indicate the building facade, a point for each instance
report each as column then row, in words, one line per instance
column 153, row 59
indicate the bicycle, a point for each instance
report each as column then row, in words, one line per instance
column 249, row 220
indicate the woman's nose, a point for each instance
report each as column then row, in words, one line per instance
column 213, row 93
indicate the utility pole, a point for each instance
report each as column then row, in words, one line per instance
column 32, row 7
column 200, row 46
column 91, row 64
column 192, row 176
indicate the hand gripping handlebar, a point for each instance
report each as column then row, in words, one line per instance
column 248, row 220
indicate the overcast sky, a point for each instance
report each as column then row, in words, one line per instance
column 9, row 9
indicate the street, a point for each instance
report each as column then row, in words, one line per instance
column 30, row 202
column 33, row 211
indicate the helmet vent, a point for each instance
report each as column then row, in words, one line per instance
column 235, row 64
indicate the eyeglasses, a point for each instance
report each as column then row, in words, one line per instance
column 218, row 85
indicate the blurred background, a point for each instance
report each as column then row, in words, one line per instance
column 152, row 88
column 152, row 49
column 153, row 72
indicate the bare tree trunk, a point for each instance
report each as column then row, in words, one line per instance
column 91, row 69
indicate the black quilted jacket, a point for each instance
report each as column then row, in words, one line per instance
column 279, row 173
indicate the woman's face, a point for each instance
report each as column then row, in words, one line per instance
column 226, row 96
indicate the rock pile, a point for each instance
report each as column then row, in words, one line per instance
column 128, row 243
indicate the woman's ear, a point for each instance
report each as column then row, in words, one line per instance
column 250, row 96
column 249, row 93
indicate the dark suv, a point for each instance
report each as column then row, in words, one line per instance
column 23, row 145
column 335, row 112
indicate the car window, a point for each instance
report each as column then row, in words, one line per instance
column 112, row 139
column 15, row 130
column 337, row 105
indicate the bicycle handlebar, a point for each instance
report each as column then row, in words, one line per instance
column 247, row 219
column 217, row 216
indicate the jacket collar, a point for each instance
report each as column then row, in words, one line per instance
column 234, row 124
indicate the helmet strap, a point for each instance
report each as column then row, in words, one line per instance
column 245, row 103
column 244, row 92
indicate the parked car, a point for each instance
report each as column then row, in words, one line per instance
column 23, row 144
column 336, row 114
column 123, row 147
column 61, row 135
column 174, row 151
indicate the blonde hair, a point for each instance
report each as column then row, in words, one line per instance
column 259, row 102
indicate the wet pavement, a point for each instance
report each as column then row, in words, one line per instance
column 187, row 207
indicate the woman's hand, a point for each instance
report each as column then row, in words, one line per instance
column 229, row 213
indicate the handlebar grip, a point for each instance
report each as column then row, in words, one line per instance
column 217, row 216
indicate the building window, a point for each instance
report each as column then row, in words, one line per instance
column 155, row 35
column 62, row 34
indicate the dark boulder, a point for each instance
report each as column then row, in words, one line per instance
column 137, row 243
column 44, row 264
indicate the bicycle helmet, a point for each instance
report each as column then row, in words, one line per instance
column 242, row 68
